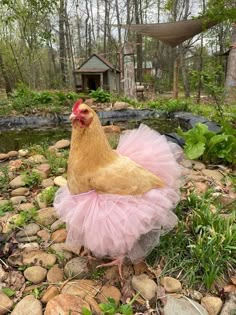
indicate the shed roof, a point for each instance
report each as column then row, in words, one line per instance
column 102, row 59
column 173, row 33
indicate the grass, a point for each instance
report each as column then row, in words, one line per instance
column 48, row 194
column 203, row 246
column 31, row 179
column 5, row 208
column 24, row 217
column 4, row 178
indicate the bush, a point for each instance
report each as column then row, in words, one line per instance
column 101, row 96
column 171, row 105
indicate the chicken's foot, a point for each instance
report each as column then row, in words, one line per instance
column 116, row 262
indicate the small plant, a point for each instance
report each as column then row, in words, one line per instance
column 7, row 207
column 31, row 179
column 203, row 246
column 111, row 308
column 25, row 217
column 4, row 177
column 56, row 162
column 8, row 291
column 210, row 146
column 48, row 194
column 169, row 106
column 100, row 96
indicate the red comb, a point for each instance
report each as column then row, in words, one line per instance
column 77, row 104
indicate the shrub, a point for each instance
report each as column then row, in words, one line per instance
column 101, row 96
column 31, row 179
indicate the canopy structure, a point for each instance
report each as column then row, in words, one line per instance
column 173, row 33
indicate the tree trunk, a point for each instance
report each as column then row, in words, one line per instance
column 62, row 42
column 230, row 83
column 8, row 87
column 139, row 77
column 129, row 75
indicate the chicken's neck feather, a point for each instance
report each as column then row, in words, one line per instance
column 90, row 147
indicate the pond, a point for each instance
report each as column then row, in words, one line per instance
column 18, row 139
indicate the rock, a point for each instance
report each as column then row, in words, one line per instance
column 216, row 175
column 81, row 287
column 38, row 257
column 18, row 199
column 3, row 274
column 230, row 288
column 27, row 239
column 4, row 202
column 48, row 182
column 14, row 165
column 60, row 181
column 45, row 169
column 23, row 153
column 186, row 164
column 4, row 156
column 65, row 304
column 26, row 206
column 21, row 191
column 17, row 182
column 200, row 187
column 29, row 229
column 111, row 129
column 35, row 274
column 46, row 216
column 145, row 286
column 212, row 304
column 109, row 291
column 44, row 235
column 62, row 144
column 55, row 274
column 183, row 306
column 89, row 102
column 12, row 154
column 230, row 305
column 40, row 173
column 59, row 236
column 5, row 303
column 50, row 293
column 57, row 225
column 42, row 204
column 62, row 250
column 76, row 268
column 171, row 285
column 196, row 295
column 29, row 246
column 28, row 306
column 120, row 105
column 37, row 159
column 198, row 166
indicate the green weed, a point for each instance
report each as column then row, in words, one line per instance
column 48, row 194
column 25, row 217
column 31, row 179
column 203, row 246
column 56, row 162
column 101, row 96
column 7, row 207
column 4, row 178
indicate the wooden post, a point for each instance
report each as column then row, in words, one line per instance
column 176, row 78
column 101, row 80
column 129, row 73
column 230, row 83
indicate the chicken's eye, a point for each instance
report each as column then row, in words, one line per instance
column 84, row 111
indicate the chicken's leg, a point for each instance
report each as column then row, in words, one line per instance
column 116, row 262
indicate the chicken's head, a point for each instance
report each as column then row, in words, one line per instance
column 81, row 114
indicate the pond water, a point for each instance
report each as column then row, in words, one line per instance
column 18, row 139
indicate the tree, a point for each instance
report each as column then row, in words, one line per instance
column 230, row 83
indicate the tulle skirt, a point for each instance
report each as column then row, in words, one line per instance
column 118, row 226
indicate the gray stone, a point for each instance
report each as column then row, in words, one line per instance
column 183, row 306
column 12, row 154
column 35, row 274
column 212, row 304
column 57, row 225
column 26, row 206
column 30, row 229
column 120, row 105
column 230, row 305
column 21, row 191
column 5, row 303
column 62, row 249
column 48, row 182
column 76, row 268
column 46, row 216
column 171, row 285
column 55, row 274
column 37, row 158
column 62, row 144
column 146, row 286
column 27, row 239
column 60, row 181
column 28, row 306
column 4, row 156
column 23, row 153
column 18, row 199
column 17, row 182
column 39, row 257
column 216, row 175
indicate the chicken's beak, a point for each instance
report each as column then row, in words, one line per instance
column 72, row 116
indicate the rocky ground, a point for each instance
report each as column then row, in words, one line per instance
column 40, row 274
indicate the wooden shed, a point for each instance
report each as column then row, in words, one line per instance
column 97, row 72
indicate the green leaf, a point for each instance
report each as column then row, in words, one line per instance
column 194, row 150
column 126, row 309
column 9, row 292
column 85, row 311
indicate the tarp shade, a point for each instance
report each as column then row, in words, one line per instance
column 173, row 33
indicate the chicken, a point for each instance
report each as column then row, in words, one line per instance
column 117, row 204
column 93, row 165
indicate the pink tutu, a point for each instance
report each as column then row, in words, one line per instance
column 114, row 225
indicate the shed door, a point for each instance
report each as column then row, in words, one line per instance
column 93, row 82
